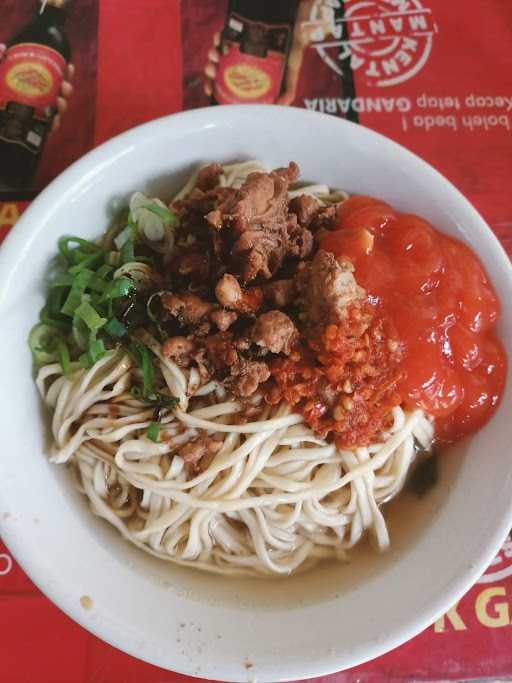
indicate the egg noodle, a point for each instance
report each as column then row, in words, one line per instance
column 276, row 498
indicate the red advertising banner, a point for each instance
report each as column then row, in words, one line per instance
column 433, row 75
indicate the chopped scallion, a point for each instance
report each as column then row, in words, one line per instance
column 74, row 255
column 136, row 392
column 133, row 230
column 95, row 351
column 121, row 286
column 91, row 261
column 115, row 328
column 74, row 298
column 64, row 359
column 153, row 432
column 142, row 357
column 112, row 258
column 162, row 212
column 62, row 280
column 43, row 341
column 127, row 252
column 90, row 316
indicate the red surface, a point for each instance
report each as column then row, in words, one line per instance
column 140, row 77
column 139, row 64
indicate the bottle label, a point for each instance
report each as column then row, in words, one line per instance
column 246, row 78
column 252, row 61
column 31, row 74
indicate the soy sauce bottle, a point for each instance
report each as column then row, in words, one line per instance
column 31, row 74
column 255, row 44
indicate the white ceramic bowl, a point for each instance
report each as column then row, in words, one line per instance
column 183, row 620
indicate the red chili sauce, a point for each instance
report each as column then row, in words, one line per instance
column 444, row 308
column 344, row 382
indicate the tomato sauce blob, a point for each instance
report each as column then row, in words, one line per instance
column 442, row 304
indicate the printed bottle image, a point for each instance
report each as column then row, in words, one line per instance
column 31, row 74
column 255, row 43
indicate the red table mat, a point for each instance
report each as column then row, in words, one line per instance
column 435, row 76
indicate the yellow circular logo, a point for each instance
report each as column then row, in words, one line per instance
column 247, row 82
column 30, row 79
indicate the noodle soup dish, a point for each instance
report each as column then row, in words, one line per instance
column 235, row 377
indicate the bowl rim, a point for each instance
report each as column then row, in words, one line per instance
column 22, row 235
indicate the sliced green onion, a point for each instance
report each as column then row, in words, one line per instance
column 100, row 280
column 155, row 399
column 112, row 258
column 50, row 313
column 104, row 270
column 162, row 212
column 153, row 432
column 95, row 351
column 64, row 359
column 63, row 280
column 123, row 237
column 121, row 286
column 90, row 316
column 127, row 253
column 76, row 292
column 55, row 301
column 136, row 392
column 43, row 341
column 133, row 229
column 75, row 255
column 91, row 261
column 115, row 328
column 164, row 400
column 161, row 400
column 47, row 319
column 98, row 284
column 142, row 358
column 80, row 333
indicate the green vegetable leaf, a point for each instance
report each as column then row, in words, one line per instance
column 153, row 432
